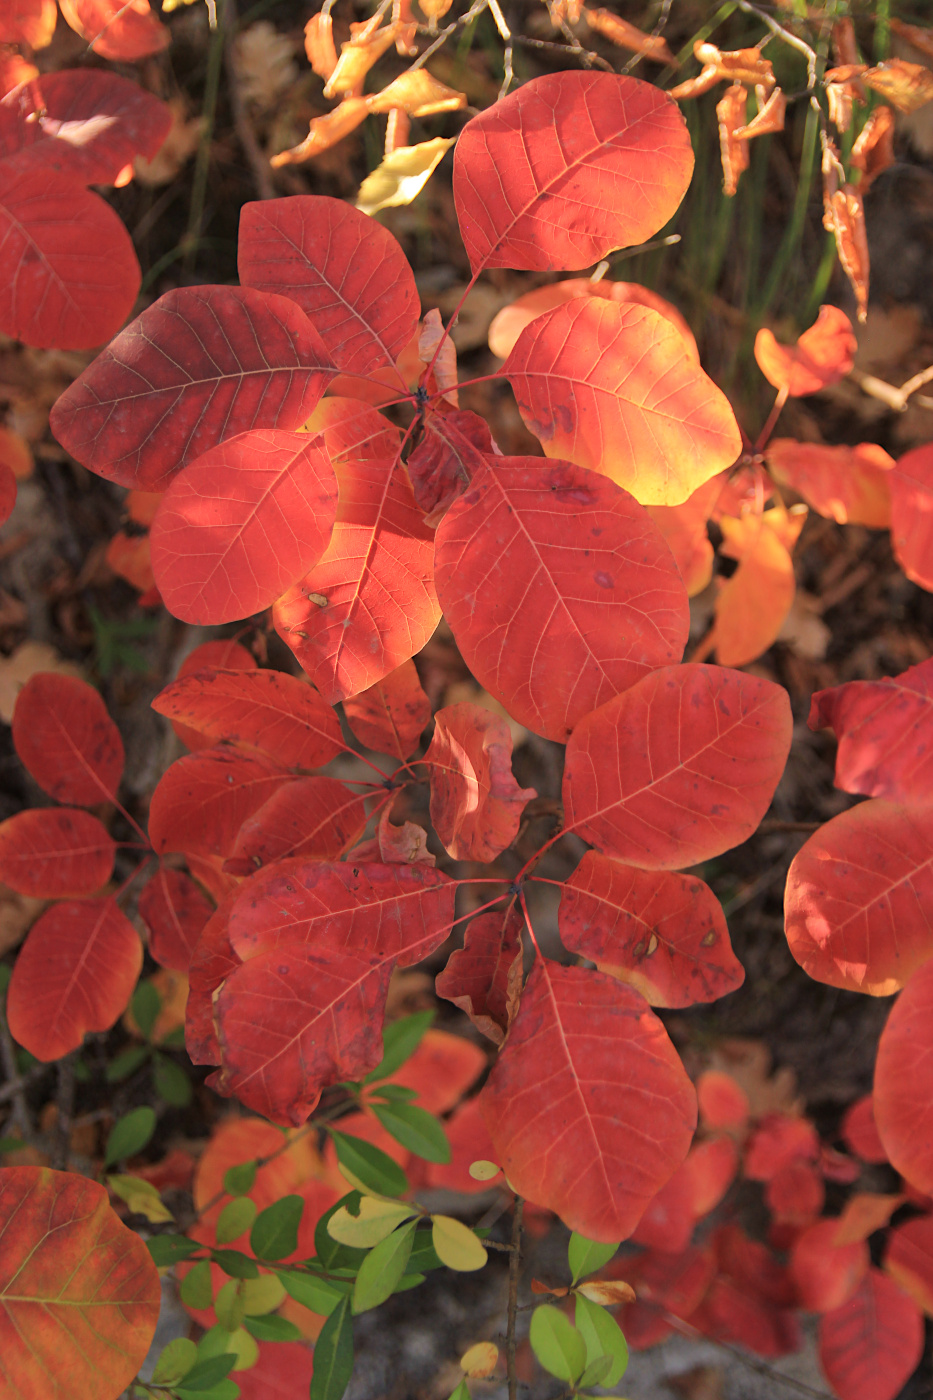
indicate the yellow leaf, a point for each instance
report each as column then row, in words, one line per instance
column 456, row 1245
column 377, row 1219
column 141, row 1197
column 402, row 175
column 480, row 1360
column 483, row 1170
column 419, row 95
column 261, row 1295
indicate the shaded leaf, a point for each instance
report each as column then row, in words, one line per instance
column 484, row 977
column 904, row 1080
column 391, row 715
column 912, row 514
column 476, row 804
column 274, row 1234
column 871, row 1345
column 508, row 324
column 64, row 736
column 55, row 852
column 174, row 911
column 908, row 1258
column 316, row 817
column 204, row 798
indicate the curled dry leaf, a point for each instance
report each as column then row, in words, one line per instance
column 264, row 63
column 357, row 56
column 733, row 149
column 844, row 217
column 820, row 356
column 619, row 31
column 873, row 150
column 843, row 87
column 738, row 66
column 404, row 172
column 921, row 39
column 907, row 86
column 608, row 1293
column 319, row 45
column 480, row 1360
column 419, row 94
column 484, row 977
column 326, row 131
column 770, row 118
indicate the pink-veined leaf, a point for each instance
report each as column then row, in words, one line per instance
column 665, row 934
column 123, row 30
column 241, row 523
column 271, row 711
column 870, row 1346
column 558, row 588
column 343, row 269
column 848, row 484
column 68, row 272
column 570, row 1101
column 89, row 126
column 476, row 804
column 226, row 655
column 198, row 366
column 885, row 733
column 563, row 146
column 312, row 817
column 678, row 769
column 858, row 906
column 74, row 974
column 67, row 740
column 391, row 715
column 903, row 1088
column 175, row 911
column 55, row 853
column 912, row 514
column 484, row 977
column 612, row 387
column 908, row 1258
column 204, row 798
column 79, row 1293
column 508, row 324
column 369, row 603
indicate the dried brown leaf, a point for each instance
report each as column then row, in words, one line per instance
column 769, row 119
column 873, row 150
column 326, row 131
column 626, row 36
column 921, row 39
column 730, row 113
column 357, row 56
column 907, row 86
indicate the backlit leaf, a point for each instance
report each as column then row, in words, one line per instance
column 558, row 588
column 55, row 852
column 227, row 655
column 846, row 484
column 174, row 910
column 618, row 146
column 904, row 1081
column 198, row 366
column 310, row 817
column 568, row 1101
column 29, row 21
column 402, row 175
column 857, row 905
column 907, row 86
column 484, row 977
column 74, row 974
column 476, row 804
column 679, row 768
column 337, row 264
column 753, row 603
column 685, row 533
column 871, row 1345
column 391, row 715
column 612, row 387
column 665, row 934
column 124, row 30
column 820, row 356
column 67, row 740
column 508, row 324
column 204, row 798
column 912, row 514
column 79, row 1293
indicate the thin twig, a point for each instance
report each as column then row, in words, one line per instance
column 894, row 398
column 515, row 1265
column 258, row 161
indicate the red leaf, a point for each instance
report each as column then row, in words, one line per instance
column 311, row 817
column 857, row 905
column 904, row 1081
column 74, row 974
column 265, row 710
column 441, row 1070
column 123, row 30
column 570, row 1100
column 848, row 484
column 88, row 125
column 406, row 843
column 68, row 272
column 664, row 1283
column 723, row 1103
column 7, row 492
column 685, row 534
column 679, row 768
column 391, row 715
column 826, row 1274
column 342, row 268
column 79, row 1293
column 51, row 853
column 452, row 450
column 212, row 960
column 66, row 739
column 484, row 977
column 28, row 21
column 612, row 387
column 908, row 1258
column 779, row 1139
column 912, row 514
column 860, row 1133
column 508, row 324
column 174, row 911
column 558, row 588
column 476, row 804
column 884, row 730
column 369, row 603
column 352, row 431
column 710, row 1169
column 241, row 523
column 668, row 1220
column 822, row 355
column 204, row 798
column 283, row 1372
column 795, row 1195
column 871, row 1345
column 617, row 146
column 665, row 934
column 225, row 655
column 198, row 366
column 864, row 1213
column 735, row 1314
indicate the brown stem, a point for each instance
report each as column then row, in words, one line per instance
column 515, row 1265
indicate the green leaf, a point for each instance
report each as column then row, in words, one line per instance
column 235, row 1264
column 261, row 1295
column 275, row 1231
column 596, row 1372
column 126, row 1063
column 174, row 1040
column 272, row 1328
column 196, row 1287
column 382, row 1269
column 329, row 1253
column 424, row 1257
column 394, row 1093
column 169, row 1249
column 238, row 1180
column 170, row 1082
column 456, row 1244
column 399, row 1043
column 238, row 1343
column 228, row 1307
column 408, row 1280
column 314, row 1293
column 415, row 1129
column 586, row 1256
column 235, row 1219
column 367, row 1166
column 10, row 1144
column 175, row 1361
column 376, row 1219
column 209, row 1371
column 557, row 1344
column 603, row 1337
column 145, row 1007
column 461, row 1393
column 333, row 1355
column 223, row 1390
column 129, row 1135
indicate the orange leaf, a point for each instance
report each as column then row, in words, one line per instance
column 751, row 605
column 508, row 324
column 908, row 1258
column 684, row 529
column 912, row 514
column 122, row 30
column 357, row 56
column 864, row 1213
column 737, row 65
column 476, row 804
column 847, row 484
column 441, row 1070
column 29, row 22
column 619, row 31
column 907, row 86
column 873, row 151
column 130, row 558
column 319, row 45
column 733, row 149
column 723, row 1102
column 419, row 94
column 844, row 217
column 822, row 355
column 921, row 39
column 326, row 131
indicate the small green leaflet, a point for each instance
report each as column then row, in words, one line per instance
column 145, row 1007
column 235, row 1264
column 557, row 1344
column 415, row 1129
column 333, row 1355
column 586, row 1256
column 275, row 1231
column 175, row 1360
column 170, row 1081
column 129, row 1135
column 235, row 1219
column 238, row 1180
column 169, row 1249
column 272, row 1328
column 399, row 1043
column 382, row 1269
column 196, row 1289
column 126, row 1063
column 368, row 1167
column 314, row 1293
column 603, row 1337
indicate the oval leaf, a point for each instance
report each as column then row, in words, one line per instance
column 174, row 911
column 912, row 514
column 456, row 1245
column 476, row 804
column 316, row 817
column 557, row 1344
column 204, row 798
column 822, row 355
column 67, row 740
column 871, row 1345
column 904, row 1081
column 391, row 715
column 381, row 1271
column 55, row 852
